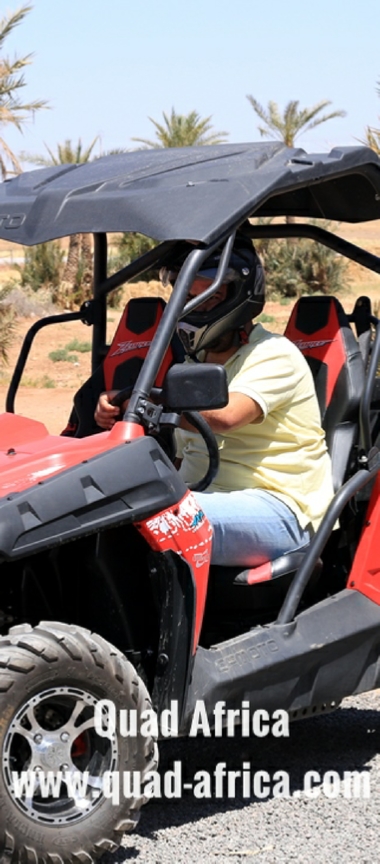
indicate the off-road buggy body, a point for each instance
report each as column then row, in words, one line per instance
column 99, row 532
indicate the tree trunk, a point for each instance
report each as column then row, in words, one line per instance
column 87, row 251
column 291, row 220
column 87, row 271
column 71, row 268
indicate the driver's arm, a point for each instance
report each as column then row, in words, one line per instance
column 240, row 411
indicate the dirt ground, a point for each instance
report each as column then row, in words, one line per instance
column 47, row 387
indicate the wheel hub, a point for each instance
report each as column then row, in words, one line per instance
column 53, row 757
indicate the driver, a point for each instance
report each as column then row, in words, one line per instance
column 274, row 481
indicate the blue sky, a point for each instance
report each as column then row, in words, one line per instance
column 105, row 66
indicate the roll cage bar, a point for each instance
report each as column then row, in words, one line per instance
column 93, row 312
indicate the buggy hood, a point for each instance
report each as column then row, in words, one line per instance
column 192, row 193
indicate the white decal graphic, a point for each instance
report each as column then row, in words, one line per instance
column 186, row 517
column 127, row 347
column 303, row 346
column 201, row 558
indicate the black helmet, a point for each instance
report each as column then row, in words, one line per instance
column 244, row 300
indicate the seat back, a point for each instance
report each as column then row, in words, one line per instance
column 122, row 362
column 320, row 328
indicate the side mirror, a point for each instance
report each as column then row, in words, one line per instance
column 195, row 387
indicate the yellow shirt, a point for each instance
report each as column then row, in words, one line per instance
column 285, row 452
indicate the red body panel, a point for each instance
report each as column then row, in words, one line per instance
column 262, row 573
column 365, row 572
column 28, row 454
column 185, row 530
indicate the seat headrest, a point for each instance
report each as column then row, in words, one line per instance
column 320, row 328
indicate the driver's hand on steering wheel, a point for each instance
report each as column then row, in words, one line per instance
column 107, row 414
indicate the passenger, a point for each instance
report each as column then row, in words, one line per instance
column 274, row 482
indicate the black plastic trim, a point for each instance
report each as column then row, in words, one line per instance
column 123, row 485
column 176, row 597
column 330, row 651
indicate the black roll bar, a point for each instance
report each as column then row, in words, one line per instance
column 370, row 379
column 174, row 310
column 318, row 543
column 100, row 304
column 25, row 348
column 93, row 312
column 314, row 232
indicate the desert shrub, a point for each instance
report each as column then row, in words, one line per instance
column 27, row 303
column 43, row 267
column 265, row 319
column 7, row 324
column 301, row 266
column 65, row 354
column 62, row 354
column 76, row 345
column 47, row 382
column 129, row 247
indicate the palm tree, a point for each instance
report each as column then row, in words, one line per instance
column 293, row 122
column 12, row 109
column 66, row 154
column 80, row 252
column 372, row 135
column 183, row 130
column 372, row 139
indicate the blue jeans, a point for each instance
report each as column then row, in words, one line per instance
column 250, row 527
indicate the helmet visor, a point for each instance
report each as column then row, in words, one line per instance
column 168, row 277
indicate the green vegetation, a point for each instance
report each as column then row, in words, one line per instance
column 301, row 267
column 12, row 109
column 62, row 354
column 47, row 382
column 372, row 135
column 265, row 319
column 76, row 345
column 42, row 268
column 293, row 122
column 76, row 277
column 7, row 324
column 129, row 247
column 67, row 154
column 183, row 130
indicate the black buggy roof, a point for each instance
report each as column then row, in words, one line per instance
column 193, row 193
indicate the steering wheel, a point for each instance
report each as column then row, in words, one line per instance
column 121, row 396
column 202, row 427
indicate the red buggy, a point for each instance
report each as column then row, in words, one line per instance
column 106, row 588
